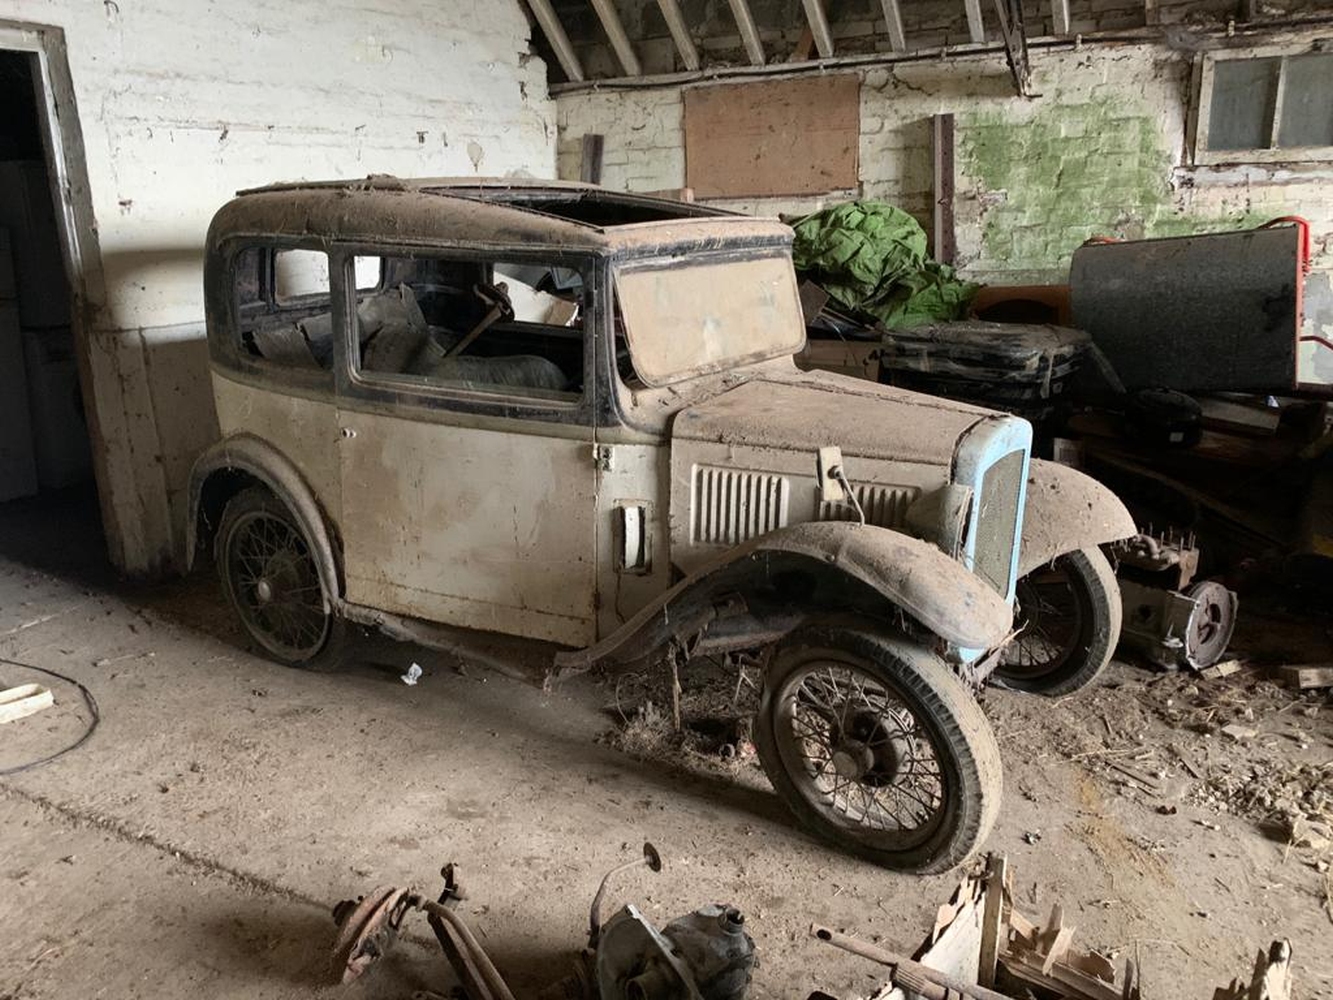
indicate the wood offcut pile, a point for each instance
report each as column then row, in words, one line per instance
column 983, row 948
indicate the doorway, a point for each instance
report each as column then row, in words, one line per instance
column 48, row 496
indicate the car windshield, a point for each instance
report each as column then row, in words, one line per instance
column 685, row 317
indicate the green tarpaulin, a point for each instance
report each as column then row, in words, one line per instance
column 871, row 257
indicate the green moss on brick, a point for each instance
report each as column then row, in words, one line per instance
column 1070, row 172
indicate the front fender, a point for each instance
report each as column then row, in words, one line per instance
column 1067, row 510
column 260, row 461
column 906, row 572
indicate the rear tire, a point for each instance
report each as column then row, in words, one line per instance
column 272, row 581
column 876, row 745
column 1070, row 614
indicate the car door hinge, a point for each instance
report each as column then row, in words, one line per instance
column 602, row 457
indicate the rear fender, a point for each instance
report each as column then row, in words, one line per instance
column 247, row 458
column 830, row 558
column 1067, row 510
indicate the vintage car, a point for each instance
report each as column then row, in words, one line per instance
column 553, row 411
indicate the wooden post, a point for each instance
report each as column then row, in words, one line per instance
column 944, row 239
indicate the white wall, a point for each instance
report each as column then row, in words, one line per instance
column 182, row 103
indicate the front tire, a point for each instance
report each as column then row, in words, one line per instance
column 876, row 745
column 272, row 581
column 1069, row 615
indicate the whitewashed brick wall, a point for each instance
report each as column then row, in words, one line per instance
column 181, row 104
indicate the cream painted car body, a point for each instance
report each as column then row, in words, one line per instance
column 583, row 521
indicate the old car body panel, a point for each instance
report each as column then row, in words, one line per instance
column 482, row 527
column 910, row 574
column 415, row 215
column 261, row 462
column 1067, row 510
column 811, row 409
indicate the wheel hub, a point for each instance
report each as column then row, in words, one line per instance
column 263, row 591
column 853, row 760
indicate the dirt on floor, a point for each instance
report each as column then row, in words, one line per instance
column 194, row 845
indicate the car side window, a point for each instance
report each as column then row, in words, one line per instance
column 283, row 305
column 485, row 326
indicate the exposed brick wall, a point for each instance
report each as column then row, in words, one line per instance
column 1102, row 151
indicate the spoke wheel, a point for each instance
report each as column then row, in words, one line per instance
column 271, row 578
column 875, row 744
column 1068, row 619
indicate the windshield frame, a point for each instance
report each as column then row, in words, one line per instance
column 686, row 260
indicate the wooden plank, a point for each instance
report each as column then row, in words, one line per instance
column 976, row 25
column 893, row 16
column 815, row 17
column 1060, row 979
column 992, row 920
column 615, row 33
column 23, row 700
column 754, row 48
column 780, row 137
column 1304, row 677
column 555, row 34
column 590, row 167
column 680, row 33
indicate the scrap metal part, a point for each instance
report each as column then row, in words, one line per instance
column 367, row 927
column 1168, row 618
column 705, row 955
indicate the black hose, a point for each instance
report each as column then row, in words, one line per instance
column 92, row 725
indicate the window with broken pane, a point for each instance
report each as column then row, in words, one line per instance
column 478, row 325
column 1270, row 107
column 283, row 306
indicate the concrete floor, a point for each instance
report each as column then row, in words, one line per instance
column 194, row 845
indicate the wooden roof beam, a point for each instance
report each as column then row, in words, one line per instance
column 615, row 31
column 976, row 26
column 754, row 48
column 819, row 28
column 894, row 16
column 680, row 33
column 1060, row 17
column 555, row 34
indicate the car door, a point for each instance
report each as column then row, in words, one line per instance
column 466, row 451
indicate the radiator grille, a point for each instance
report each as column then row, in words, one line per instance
column 885, row 506
column 732, row 507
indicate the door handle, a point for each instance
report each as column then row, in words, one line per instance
column 348, row 432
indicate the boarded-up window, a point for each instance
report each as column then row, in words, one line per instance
column 787, row 137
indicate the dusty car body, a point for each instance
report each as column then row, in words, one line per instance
column 552, row 411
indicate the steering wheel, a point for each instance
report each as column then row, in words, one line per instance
column 501, row 309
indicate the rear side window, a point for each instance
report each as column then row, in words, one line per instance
column 284, row 314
